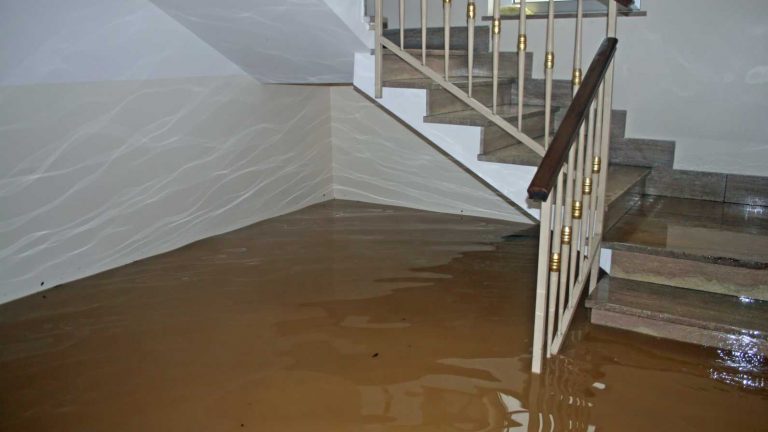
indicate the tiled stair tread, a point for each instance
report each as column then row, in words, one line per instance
column 395, row 32
column 435, row 37
column 621, row 178
column 710, row 232
column 745, row 217
column 478, row 55
column 517, row 154
column 434, row 52
column 459, row 81
column 473, row 118
column 715, row 312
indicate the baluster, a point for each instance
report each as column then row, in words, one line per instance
column 579, row 184
column 596, row 160
column 556, row 258
column 605, row 144
column 402, row 24
column 549, row 65
column 424, row 32
column 522, row 46
column 471, row 43
column 539, row 317
column 566, row 237
column 555, row 262
column 379, row 48
column 496, row 31
column 447, row 34
column 588, row 221
column 580, row 190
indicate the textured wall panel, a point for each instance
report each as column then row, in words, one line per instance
column 461, row 142
column 376, row 159
column 93, row 176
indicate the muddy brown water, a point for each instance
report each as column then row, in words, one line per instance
column 347, row 317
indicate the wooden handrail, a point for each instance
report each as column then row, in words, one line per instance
column 557, row 152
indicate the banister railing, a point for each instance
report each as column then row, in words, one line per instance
column 570, row 184
column 565, row 137
column 570, row 181
column 443, row 77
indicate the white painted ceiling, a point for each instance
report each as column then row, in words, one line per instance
column 54, row 41
column 276, row 41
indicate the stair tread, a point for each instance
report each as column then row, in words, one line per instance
column 435, row 37
column 622, row 178
column 703, row 310
column 517, row 154
column 460, row 81
column 471, row 117
column 706, row 231
column 416, row 52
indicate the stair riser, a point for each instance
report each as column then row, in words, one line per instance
column 696, row 275
column 435, row 38
column 396, row 68
column 617, row 207
column 535, row 92
column 441, row 101
column 494, row 138
column 672, row 331
column 622, row 205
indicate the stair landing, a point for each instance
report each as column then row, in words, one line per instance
column 706, row 231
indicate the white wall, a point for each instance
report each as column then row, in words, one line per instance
column 123, row 135
column 696, row 71
column 376, row 159
column 352, row 14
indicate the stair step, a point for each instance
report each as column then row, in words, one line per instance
column 516, row 154
column 706, row 231
column 459, row 81
column 434, row 52
column 702, row 245
column 471, row 117
column 435, row 37
column 395, row 67
column 685, row 315
column 623, row 190
column 621, row 179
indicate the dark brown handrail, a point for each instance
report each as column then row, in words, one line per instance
column 557, row 152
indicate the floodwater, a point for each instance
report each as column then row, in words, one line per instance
column 348, row 317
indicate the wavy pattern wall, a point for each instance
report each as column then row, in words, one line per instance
column 97, row 175
column 124, row 135
column 376, row 159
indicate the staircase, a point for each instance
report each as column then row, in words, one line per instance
column 694, row 270
column 690, row 270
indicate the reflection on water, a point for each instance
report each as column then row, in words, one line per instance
column 348, row 317
column 743, row 365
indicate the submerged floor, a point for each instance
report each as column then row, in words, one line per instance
column 346, row 317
